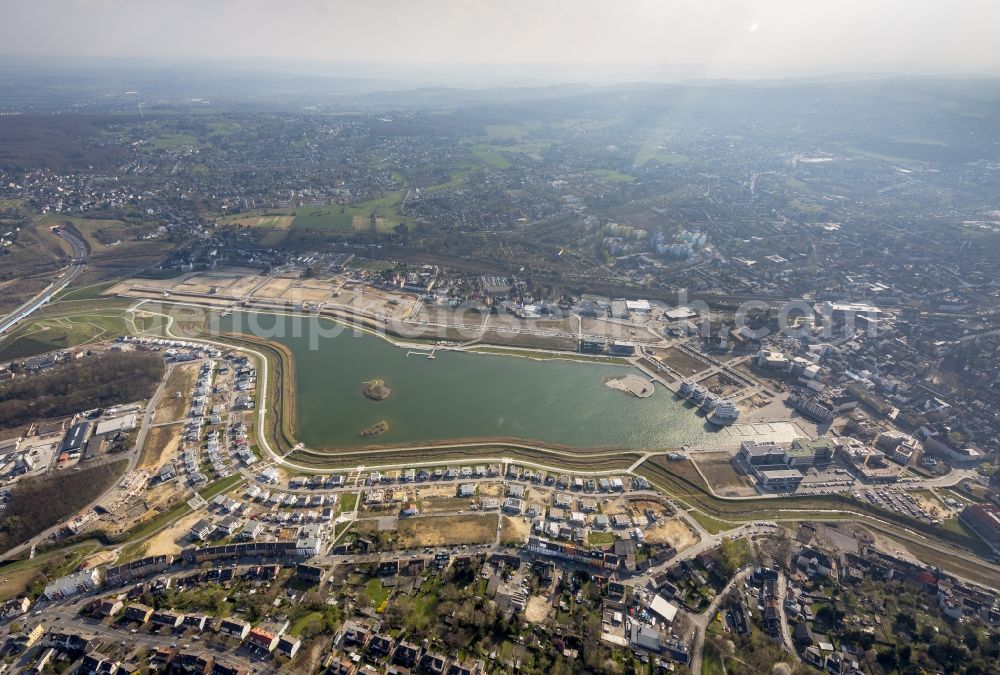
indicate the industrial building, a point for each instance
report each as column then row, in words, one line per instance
column 76, row 438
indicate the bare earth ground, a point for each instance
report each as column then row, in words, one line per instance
column 514, row 530
column 680, row 362
column 447, row 530
column 13, row 583
column 274, row 221
column 161, row 443
column 932, row 506
column 673, row 531
column 274, row 288
column 721, row 475
column 180, row 381
column 446, row 504
column 165, row 495
column 640, row 506
column 157, row 499
column 537, row 609
column 165, row 541
column 719, row 384
column 437, row 491
column 490, row 489
column 307, row 292
column 97, row 559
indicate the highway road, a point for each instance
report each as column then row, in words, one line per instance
column 64, row 279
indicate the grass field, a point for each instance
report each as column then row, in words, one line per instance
column 273, row 237
column 342, row 218
column 600, row 538
column 17, row 577
column 720, row 474
column 711, row 525
column 509, row 132
column 278, row 221
column 88, row 292
column 490, row 157
column 348, row 501
column 655, row 155
column 711, row 663
column 376, row 593
column 803, row 206
column 613, row 176
column 65, row 324
column 173, row 141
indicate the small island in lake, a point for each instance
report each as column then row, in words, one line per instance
column 376, row 429
column 376, row 390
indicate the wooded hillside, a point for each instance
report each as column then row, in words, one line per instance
column 38, row 503
column 93, row 382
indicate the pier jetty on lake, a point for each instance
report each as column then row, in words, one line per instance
column 632, row 384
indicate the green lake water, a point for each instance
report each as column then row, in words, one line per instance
column 464, row 395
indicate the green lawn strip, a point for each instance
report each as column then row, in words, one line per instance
column 348, row 501
column 613, row 176
column 220, row 486
column 376, row 592
column 308, row 624
column 580, row 461
column 154, row 524
column 87, row 546
column 89, row 292
column 816, row 507
column 600, row 538
column 712, row 525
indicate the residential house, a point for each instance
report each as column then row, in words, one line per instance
column 235, row 628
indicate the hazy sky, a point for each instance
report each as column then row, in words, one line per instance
column 717, row 37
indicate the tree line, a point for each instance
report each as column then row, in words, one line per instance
column 39, row 502
column 95, row 382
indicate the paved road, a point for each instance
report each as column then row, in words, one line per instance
column 59, row 283
column 63, row 616
column 279, row 460
column 701, row 621
column 786, row 634
column 133, row 459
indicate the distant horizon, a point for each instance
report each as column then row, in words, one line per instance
column 582, row 39
column 493, row 75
